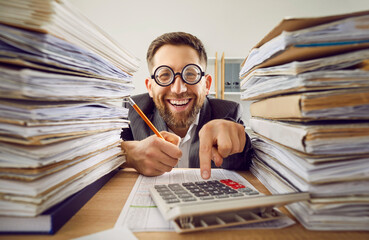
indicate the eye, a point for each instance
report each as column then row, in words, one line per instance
column 164, row 75
column 191, row 74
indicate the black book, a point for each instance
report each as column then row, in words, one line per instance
column 55, row 217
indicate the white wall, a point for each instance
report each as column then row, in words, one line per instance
column 229, row 26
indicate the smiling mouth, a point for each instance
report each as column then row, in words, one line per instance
column 179, row 102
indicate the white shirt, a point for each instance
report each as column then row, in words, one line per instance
column 185, row 144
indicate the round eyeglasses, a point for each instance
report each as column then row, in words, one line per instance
column 164, row 75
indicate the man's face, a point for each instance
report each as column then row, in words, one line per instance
column 179, row 102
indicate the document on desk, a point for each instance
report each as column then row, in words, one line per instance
column 140, row 213
column 111, row 234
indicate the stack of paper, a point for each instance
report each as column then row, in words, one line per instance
column 310, row 80
column 59, row 132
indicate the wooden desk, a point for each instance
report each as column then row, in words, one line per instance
column 102, row 211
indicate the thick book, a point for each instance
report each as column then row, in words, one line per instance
column 331, row 168
column 351, row 59
column 345, row 104
column 344, row 213
column 316, row 138
column 260, row 87
column 54, row 218
column 63, row 20
column 298, row 39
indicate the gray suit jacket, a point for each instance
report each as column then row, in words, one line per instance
column 212, row 109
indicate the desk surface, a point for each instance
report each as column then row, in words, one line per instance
column 102, row 211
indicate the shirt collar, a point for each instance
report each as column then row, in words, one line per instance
column 190, row 131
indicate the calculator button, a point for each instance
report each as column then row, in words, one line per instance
column 252, row 193
column 237, row 186
column 169, row 197
column 166, row 193
column 188, row 184
column 230, row 191
column 175, row 186
column 222, row 196
column 189, row 199
column 201, row 194
column 201, row 183
column 237, row 195
column 225, row 181
column 195, row 190
column 191, row 187
column 161, row 187
column 184, row 195
column 180, row 191
column 172, row 201
column 232, row 183
column 207, row 198
column 214, row 193
column 246, row 189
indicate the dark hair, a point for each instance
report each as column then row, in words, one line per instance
column 176, row 38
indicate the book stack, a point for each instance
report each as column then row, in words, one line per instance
column 309, row 81
column 60, row 126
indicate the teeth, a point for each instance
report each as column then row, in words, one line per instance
column 179, row 102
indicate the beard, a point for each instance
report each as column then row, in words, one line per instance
column 183, row 119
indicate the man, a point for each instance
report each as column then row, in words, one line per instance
column 198, row 131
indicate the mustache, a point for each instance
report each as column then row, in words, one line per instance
column 182, row 95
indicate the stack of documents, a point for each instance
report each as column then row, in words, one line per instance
column 59, row 131
column 309, row 81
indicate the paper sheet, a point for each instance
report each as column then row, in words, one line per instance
column 140, row 213
column 111, row 234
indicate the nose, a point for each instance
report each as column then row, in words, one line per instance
column 178, row 86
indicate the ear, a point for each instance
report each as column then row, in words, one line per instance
column 208, row 80
column 148, row 83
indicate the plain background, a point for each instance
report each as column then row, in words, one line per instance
column 229, row 26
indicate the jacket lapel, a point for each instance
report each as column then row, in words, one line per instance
column 159, row 122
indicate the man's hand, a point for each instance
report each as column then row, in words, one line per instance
column 218, row 139
column 153, row 156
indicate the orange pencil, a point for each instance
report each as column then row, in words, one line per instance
column 143, row 116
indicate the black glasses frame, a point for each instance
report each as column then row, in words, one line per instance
column 177, row 73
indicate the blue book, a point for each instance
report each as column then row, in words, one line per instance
column 55, row 217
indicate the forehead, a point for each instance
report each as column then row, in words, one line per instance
column 175, row 56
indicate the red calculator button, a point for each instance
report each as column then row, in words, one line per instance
column 232, row 184
column 237, row 186
column 226, row 181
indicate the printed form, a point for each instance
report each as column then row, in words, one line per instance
column 140, row 213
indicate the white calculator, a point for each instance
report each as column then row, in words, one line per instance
column 196, row 206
